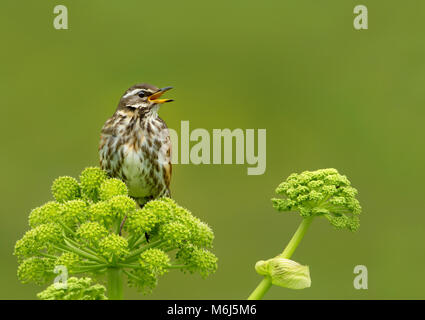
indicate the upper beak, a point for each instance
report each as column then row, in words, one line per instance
column 154, row 97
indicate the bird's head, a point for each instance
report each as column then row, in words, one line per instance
column 143, row 98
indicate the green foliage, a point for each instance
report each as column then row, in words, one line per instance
column 82, row 230
column 75, row 289
column 323, row 192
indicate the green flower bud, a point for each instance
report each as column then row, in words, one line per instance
column 183, row 215
column 47, row 213
column 142, row 281
column 197, row 260
column 140, row 221
column 74, row 211
column 91, row 232
column 285, row 273
column 154, row 261
column 113, row 247
column 175, row 234
column 69, row 260
column 75, row 289
column 35, row 269
column 65, row 189
column 111, row 188
column 153, row 264
column 90, row 180
column 342, row 222
column 122, row 205
column 183, row 228
column 102, row 213
column 323, row 192
column 202, row 235
column 35, row 240
column 162, row 208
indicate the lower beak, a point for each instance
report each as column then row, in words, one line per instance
column 154, row 97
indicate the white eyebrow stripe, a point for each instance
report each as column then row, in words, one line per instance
column 131, row 93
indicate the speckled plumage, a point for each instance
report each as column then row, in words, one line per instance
column 135, row 145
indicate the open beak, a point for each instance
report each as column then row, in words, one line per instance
column 155, row 97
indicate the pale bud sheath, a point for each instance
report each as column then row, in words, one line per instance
column 285, row 273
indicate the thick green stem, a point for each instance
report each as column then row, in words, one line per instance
column 296, row 238
column 115, row 283
column 261, row 289
column 266, row 283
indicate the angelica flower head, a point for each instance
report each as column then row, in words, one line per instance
column 93, row 226
column 323, row 192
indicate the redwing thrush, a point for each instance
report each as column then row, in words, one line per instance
column 135, row 144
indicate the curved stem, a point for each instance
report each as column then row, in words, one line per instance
column 130, row 275
column 115, row 283
column 83, row 248
column 261, row 289
column 266, row 283
column 49, row 256
column 296, row 238
column 81, row 252
column 139, row 241
column 135, row 253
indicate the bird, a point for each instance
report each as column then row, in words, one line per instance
column 135, row 144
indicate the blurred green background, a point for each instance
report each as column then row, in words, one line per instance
column 328, row 95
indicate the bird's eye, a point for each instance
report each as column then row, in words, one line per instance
column 142, row 93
